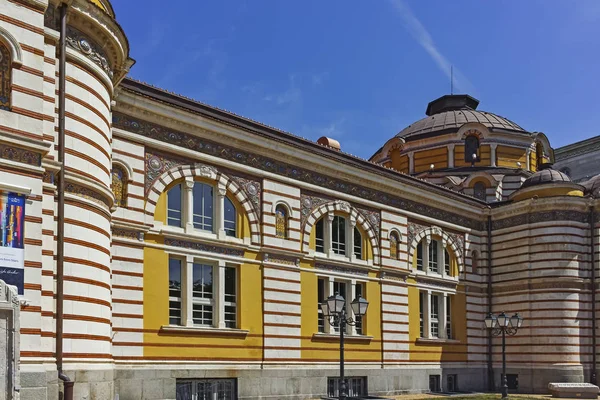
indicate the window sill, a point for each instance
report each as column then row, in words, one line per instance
column 334, row 337
column 437, row 341
column 203, row 331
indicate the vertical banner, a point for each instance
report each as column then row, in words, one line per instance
column 12, row 253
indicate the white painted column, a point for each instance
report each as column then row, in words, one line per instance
column 328, row 327
column 188, row 205
column 219, row 294
column 187, row 318
column 219, row 215
column 528, row 161
column 350, row 242
column 328, row 234
column 442, row 315
column 411, row 163
column 451, row 156
column 427, row 314
column 442, row 257
column 493, row 154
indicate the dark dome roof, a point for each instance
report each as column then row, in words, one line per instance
column 592, row 186
column 453, row 111
column 545, row 176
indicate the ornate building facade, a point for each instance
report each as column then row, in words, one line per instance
column 174, row 248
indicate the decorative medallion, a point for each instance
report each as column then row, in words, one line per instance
column 204, row 247
column 251, row 188
column 79, row 42
column 205, row 146
column 309, row 203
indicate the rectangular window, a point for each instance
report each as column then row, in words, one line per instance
column 434, row 383
column 433, row 256
column 448, row 317
column 174, row 206
column 357, row 244
column 206, row 389
column 230, row 297
column 447, row 262
column 339, row 288
column 356, row 386
column 320, row 299
column 202, row 295
column 230, row 217
column 203, row 206
column 320, row 236
column 421, row 308
column 358, row 291
column 338, row 235
column 174, row 291
column 434, row 316
column 420, row 256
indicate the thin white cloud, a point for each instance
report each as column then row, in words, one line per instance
column 333, row 130
column 423, row 38
column 291, row 95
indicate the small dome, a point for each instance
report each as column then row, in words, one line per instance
column 544, row 176
column 329, row 142
column 592, row 186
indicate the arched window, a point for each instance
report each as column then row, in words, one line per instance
column 447, row 262
column 320, row 236
column 230, row 217
column 174, row 206
column 420, row 256
column 119, row 186
column 5, row 77
column 338, row 235
column 475, row 261
column 433, row 256
column 479, row 191
column 203, row 206
column 472, row 147
column 358, row 248
column 394, row 246
column 281, row 221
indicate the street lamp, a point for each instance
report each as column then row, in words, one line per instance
column 334, row 310
column 503, row 325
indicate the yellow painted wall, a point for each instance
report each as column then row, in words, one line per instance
column 317, row 349
column 532, row 161
column 438, row 157
column 158, row 344
column 549, row 192
column 509, row 156
column 398, row 161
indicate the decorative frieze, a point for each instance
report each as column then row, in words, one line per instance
column 374, row 218
column 17, row 154
column 341, row 269
column 543, row 216
column 81, row 43
column 88, row 194
column 204, row 247
column 202, row 145
column 280, row 259
column 423, row 280
column 127, row 234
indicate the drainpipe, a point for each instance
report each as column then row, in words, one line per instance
column 60, row 247
column 491, row 385
column 593, row 377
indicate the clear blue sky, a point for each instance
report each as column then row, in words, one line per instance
column 360, row 71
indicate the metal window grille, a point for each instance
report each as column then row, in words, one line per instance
column 230, row 217
column 320, row 236
column 206, row 389
column 174, row 202
column 420, row 256
column 338, row 235
column 203, row 206
column 320, row 299
column 433, row 256
column 356, row 386
column 230, row 297
column 174, row 291
column 434, row 314
column 358, row 250
column 202, row 295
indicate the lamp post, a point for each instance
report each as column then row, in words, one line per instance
column 503, row 325
column 334, row 310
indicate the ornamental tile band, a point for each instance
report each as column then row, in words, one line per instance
column 204, row 247
column 18, row 154
column 88, row 194
column 345, row 270
column 126, row 234
column 545, row 216
column 279, row 259
column 87, row 47
column 202, row 145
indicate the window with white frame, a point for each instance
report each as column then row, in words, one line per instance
column 447, row 262
column 435, row 315
column 197, row 205
column 420, row 256
column 349, row 290
column 433, row 256
column 339, row 236
column 207, row 298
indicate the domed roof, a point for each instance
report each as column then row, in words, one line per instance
column 544, row 176
column 592, row 186
column 451, row 112
column 105, row 6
